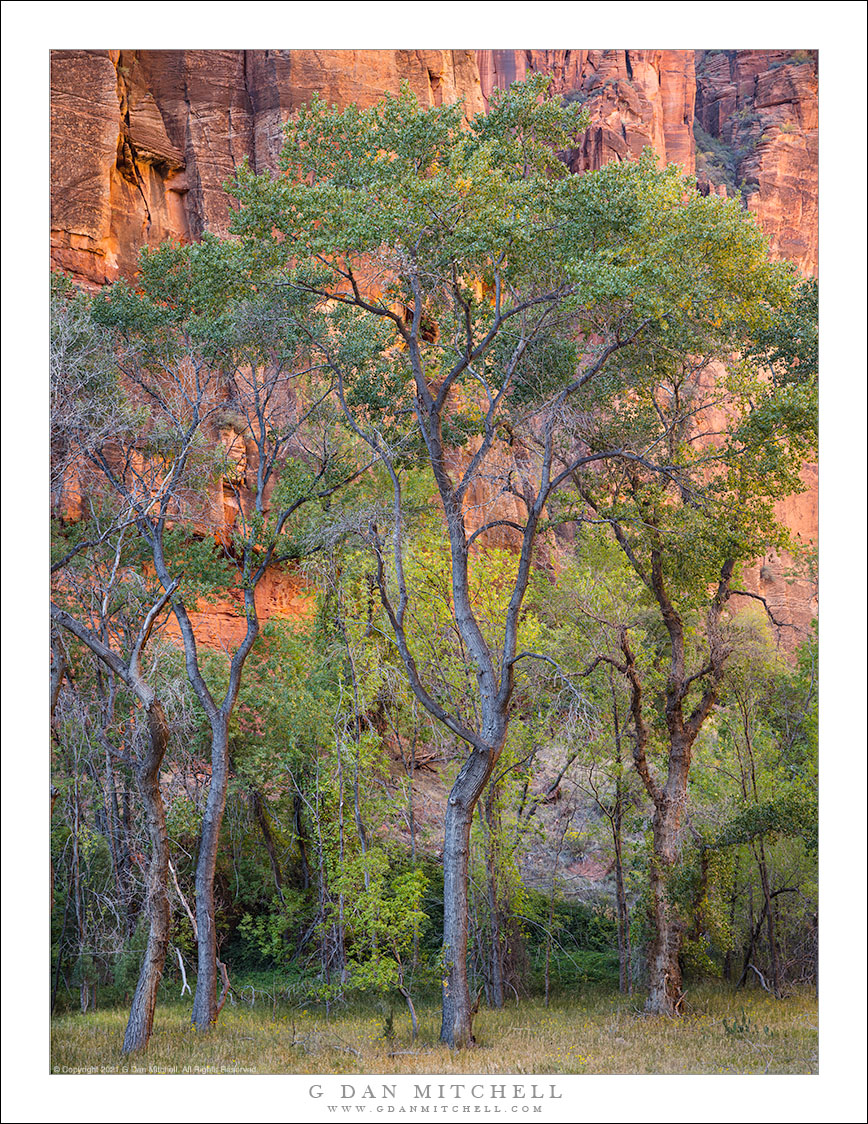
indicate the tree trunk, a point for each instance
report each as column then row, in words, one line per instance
column 733, row 900
column 751, row 945
column 774, row 958
column 414, row 1022
column 760, row 855
column 78, row 896
column 60, row 954
column 625, row 982
column 53, row 793
column 58, row 670
column 205, row 999
column 262, row 819
column 664, row 971
column 141, row 1020
column 456, row 1028
column 495, row 952
column 298, row 828
column 412, row 807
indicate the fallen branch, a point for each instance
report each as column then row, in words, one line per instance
column 185, row 986
column 761, row 978
column 184, row 903
column 424, row 761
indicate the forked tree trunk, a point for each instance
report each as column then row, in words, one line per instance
column 141, row 1020
column 206, row 1007
column 669, row 799
column 147, row 771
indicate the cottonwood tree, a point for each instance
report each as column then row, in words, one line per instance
column 708, row 449
column 126, row 666
column 101, row 601
column 220, row 456
column 475, row 296
column 109, row 614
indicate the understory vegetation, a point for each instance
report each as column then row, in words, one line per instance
column 329, row 881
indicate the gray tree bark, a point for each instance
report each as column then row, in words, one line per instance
column 493, row 668
column 205, row 999
column 456, row 1026
column 141, row 1020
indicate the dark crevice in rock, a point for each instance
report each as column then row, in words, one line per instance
column 127, row 163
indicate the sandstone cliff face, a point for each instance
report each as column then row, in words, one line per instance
column 281, row 595
column 757, row 134
column 761, row 109
column 635, row 98
column 142, row 142
column 790, row 593
column 117, row 180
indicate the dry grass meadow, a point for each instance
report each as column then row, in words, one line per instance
column 721, row 1033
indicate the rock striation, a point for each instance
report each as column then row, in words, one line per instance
column 636, row 99
column 757, row 135
column 757, row 130
column 143, row 141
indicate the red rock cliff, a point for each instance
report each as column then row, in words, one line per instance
column 635, row 98
column 760, row 107
column 143, row 141
column 756, row 118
